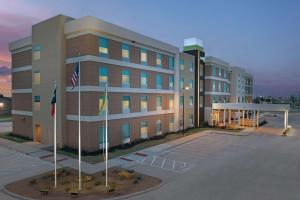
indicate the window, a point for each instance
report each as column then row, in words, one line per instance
column 36, row 52
column 225, row 74
column 201, row 101
column 201, row 69
column 125, row 52
column 181, row 64
column 103, row 47
column 214, row 86
column 103, row 75
column 181, row 83
column 181, row 100
column 220, row 87
column 201, row 86
column 144, row 103
column 158, row 102
column 102, row 106
column 191, row 66
column 159, row 81
column 36, row 78
column 144, row 56
column 214, row 70
column 191, row 101
column 126, row 104
column 171, row 123
column 144, row 79
column 191, row 84
column 220, row 72
column 191, row 120
column 37, row 102
column 158, row 60
column 171, row 102
column 126, row 133
column 102, row 138
column 171, row 82
column 125, row 78
column 171, row 62
column 158, row 127
column 144, row 129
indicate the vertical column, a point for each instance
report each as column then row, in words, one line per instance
column 224, row 117
column 229, row 117
column 218, row 117
column 239, row 117
column 243, row 117
column 257, row 121
column 285, row 119
column 212, row 117
column 254, row 117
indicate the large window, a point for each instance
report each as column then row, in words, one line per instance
column 126, row 131
column 191, row 84
column 144, row 56
column 144, row 129
column 126, row 104
column 220, row 89
column 159, row 81
column 158, row 102
column 103, row 47
column 214, row 86
column 214, row 70
column 171, row 82
column 144, row 80
column 125, row 52
column 220, row 72
column 125, row 78
column 102, row 106
column 191, row 66
column 36, row 77
column 171, row 102
column 37, row 103
column 181, row 64
column 171, row 62
column 158, row 59
column 181, row 83
column 191, row 100
column 158, row 127
column 103, row 75
column 144, row 103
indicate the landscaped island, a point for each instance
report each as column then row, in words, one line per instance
column 121, row 182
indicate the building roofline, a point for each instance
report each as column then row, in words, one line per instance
column 215, row 60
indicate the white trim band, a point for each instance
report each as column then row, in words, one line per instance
column 17, row 91
column 21, row 69
column 117, row 63
column 118, row 116
column 216, row 79
column 21, row 112
column 119, row 89
column 217, row 93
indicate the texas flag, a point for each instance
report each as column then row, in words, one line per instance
column 53, row 103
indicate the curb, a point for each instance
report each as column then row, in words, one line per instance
column 16, row 196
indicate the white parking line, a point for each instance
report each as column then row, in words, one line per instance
column 174, row 164
column 162, row 166
column 154, row 158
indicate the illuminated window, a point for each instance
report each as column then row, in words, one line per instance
column 171, row 102
column 214, row 86
column 37, row 103
column 158, row 60
column 125, row 52
column 102, row 106
column 144, row 103
column 191, row 84
column 103, row 75
column 191, row 101
column 158, row 127
column 36, row 52
column 125, row 78
column 158, row 102
column 103, row 47
column 126, row 104
column 36, row 78
column 144, row 129
column 144, row 80
column 144, row 56
column 191, row 66
column 220, row 72
column 219, row 86
column 126, row 132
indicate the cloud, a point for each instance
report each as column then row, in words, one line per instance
column 5, row 71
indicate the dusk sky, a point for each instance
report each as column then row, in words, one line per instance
column 260, row 36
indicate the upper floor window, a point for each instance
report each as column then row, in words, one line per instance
column 158, row 102
column 125, row 78
column 158, row 60
column 36, row 52
column 159, row 81
column 144, row 56
column 220, row 89
column 125, row 52
column 37, row 102
column 102, row 106
column 171, row 102
column 191, row 84
column 214, row 70
column 181, row 83
column 220, row 72
column 126, row 104
column 144, row 80
column 191, row 66
column 191, row 100
column 103, row 47
column 171, row 82
column 213, row 86
column 181, row 64
column 225, row 73
column 103, row 75
column 171, row 62
column 36, row 77
column 144, row 102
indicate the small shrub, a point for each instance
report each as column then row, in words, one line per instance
column 33, row 181
column 112, row 187
column 125, row 175
column 97, row 183
column 87, row 178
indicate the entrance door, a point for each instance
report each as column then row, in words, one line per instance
column 37, row 133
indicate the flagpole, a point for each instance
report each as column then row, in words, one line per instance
column 55, row 172
column 79, row 129
column 106, row 139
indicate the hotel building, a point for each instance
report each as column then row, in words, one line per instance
column 145, row 77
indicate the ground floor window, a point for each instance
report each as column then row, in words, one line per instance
column 102, row 140
column 126, row 133
column 144, row 129
column 191, row 120
column 171, row 123
column 158, row 127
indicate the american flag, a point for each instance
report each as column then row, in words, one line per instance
column 75, row 76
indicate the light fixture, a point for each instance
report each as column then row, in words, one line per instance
column 1, row 104
column 187, row 88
